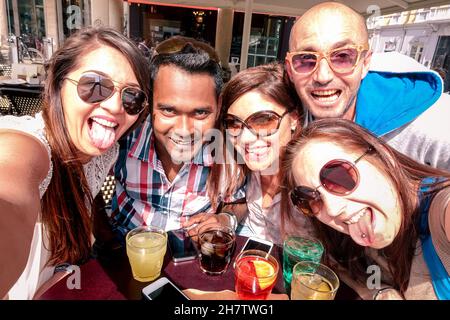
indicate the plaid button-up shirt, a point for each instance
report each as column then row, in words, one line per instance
column 145, row 196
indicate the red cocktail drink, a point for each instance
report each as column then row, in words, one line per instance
column 255, row 275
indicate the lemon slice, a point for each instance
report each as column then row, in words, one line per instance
column 323, row 292
column 323, row 287
column 265, row 273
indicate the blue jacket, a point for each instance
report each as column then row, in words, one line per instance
column 402, row 102
column 389, row 99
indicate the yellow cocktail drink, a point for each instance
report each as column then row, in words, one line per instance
column 146, row 249
column 313, row 281
column 311, row 287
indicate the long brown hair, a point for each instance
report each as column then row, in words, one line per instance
column 269, row 80
column 405, row 175
column 66, row 203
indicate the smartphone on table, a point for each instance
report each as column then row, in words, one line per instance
column 258, row 244
column 181, row 246
column 163, row 289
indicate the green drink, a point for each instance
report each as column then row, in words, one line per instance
column 296, row 249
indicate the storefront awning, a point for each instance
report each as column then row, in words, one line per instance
column 298, row 7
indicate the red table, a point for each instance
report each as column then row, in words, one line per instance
column 110, row 277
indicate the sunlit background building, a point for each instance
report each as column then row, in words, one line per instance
column 34, row 29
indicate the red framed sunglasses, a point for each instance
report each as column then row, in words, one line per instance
column 339, row 177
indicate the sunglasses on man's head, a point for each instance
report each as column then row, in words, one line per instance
column 341, row 60
column 173, row 46
column 261, row 124
column 94, row 88
column 338, row 177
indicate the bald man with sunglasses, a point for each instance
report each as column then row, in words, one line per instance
column 337, row 76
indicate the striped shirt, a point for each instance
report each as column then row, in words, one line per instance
column 145, row 196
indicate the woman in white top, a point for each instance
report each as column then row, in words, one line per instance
column 260, row 113
column 53, row 164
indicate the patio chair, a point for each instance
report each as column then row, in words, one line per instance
column 19, row 106
column 21, row 100
column 5, row 70
column 4, row 106
column 26, row 105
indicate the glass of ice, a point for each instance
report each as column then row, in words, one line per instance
column 216, row 243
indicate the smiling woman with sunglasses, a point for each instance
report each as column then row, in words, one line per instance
column 371, row 205
column 53, row 164
column 259, row 115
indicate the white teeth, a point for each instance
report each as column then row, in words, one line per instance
column 324, row 92
column 355, row 218
column 258, row 150
column 326, row 95
column 104, row 122
column 182, row 142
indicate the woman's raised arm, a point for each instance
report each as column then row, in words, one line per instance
column 24, row 163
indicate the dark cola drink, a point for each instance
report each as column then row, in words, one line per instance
column 216, row 247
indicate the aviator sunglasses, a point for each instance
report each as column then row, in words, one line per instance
column 94, row 88
column 261, row 124
column 338, row 177
column 341, row 60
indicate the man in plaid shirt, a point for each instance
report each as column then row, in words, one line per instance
column 163, row 165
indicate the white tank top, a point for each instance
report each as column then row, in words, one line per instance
column 265, row 223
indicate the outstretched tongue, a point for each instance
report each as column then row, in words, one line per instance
column 102, row 136
column 362, row 231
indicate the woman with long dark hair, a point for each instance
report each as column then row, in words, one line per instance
column 373, row 206
column 259, row 115
column 53, row 164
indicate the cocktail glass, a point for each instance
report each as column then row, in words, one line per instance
column 146, row 247
column 313, row 281
column 296, row 249
column 255, row 274
column 216, row 243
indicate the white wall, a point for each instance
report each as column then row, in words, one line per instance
column 416, row 35
column 51, row 22
column 108, row 13
column 224, row 34
column 3, row 23
column 406, row 36
column 389, row 35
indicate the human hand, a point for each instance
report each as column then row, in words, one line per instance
column 388, row 293
column 195, row 294
column 194, row 223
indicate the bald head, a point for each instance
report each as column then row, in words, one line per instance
column 325, row 19
column 329, row 30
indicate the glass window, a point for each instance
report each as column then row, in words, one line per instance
column 441, row 60
column 260, row 60
column 251, row 61
column 264, row 40
column 413, row 51
column 26, row 20
column 416, row 51
column 75, row 15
